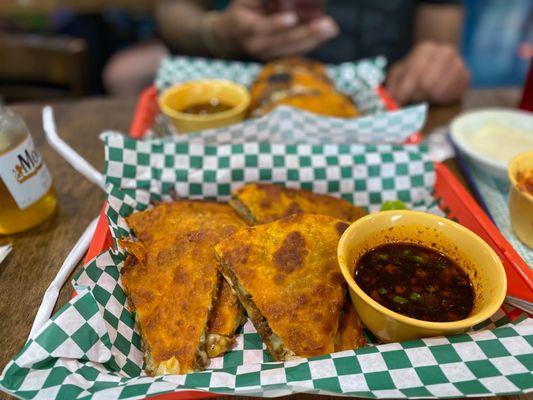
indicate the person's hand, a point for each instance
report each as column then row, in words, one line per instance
column 243, row 28
column 431, row 71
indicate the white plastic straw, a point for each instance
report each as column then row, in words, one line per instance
column 4, row 251
column 79, row 249
column 51, row 294
column 67, row 152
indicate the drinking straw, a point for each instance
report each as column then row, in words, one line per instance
column 80, row 248
column 67, row 152
column 51, row 294
column 4, row 251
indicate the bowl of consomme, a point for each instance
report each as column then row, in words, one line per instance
column 520, row 174
column 204, row 104
column 413, row 274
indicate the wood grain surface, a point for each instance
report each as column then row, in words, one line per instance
column 38, row 254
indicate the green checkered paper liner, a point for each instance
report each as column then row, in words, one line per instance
column 290, row 125
column 359, row 80
column 356, row 79
column 91, row 347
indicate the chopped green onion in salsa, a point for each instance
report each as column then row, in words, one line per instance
column 415, row 281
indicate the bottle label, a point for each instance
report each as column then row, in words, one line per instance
column 25, row 174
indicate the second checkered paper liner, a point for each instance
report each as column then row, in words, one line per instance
column 356, row 79
column 359, row 80
column 91, row 347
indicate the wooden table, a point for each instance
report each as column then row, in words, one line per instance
column 38, row 254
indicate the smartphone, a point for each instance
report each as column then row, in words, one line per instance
column 306, row 10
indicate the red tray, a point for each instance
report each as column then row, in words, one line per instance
column 455, row 202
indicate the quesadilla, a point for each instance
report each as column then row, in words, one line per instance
column 226, row 316
column 172, row 283
column 259, row 203
column 286, row 276
column 299, row 83
column 350, row 333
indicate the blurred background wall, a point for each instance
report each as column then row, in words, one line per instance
column 498, row 40
column 59, row 48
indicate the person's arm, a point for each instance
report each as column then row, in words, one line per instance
column 241, row 29
column 438, row 23
column 180, row 25
column 434, row 69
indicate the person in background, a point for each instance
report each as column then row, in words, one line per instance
column 419, row 38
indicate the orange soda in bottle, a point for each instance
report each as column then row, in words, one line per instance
column 27, row 196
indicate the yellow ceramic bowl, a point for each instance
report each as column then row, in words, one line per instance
column 476, row 258
column 180, row 97
column 521, row 203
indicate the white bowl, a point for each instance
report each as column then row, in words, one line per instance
column 464, row 126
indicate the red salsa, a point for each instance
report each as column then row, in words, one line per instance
column 415, row 281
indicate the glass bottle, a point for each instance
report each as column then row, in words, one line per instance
column 27, row 196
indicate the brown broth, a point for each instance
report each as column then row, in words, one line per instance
column 415, row 281
column 207, row 108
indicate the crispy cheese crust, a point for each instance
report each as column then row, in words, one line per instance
column 287, row 277
column 260, row 203
column 299, row 83
column 173, row 285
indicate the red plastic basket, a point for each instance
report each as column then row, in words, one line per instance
column 455, row 201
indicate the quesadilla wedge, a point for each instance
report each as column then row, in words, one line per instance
column 226, row 316
column 172, row 283
column 259, row 203
column 286, row 276
column 299, row 83
column 350, row 333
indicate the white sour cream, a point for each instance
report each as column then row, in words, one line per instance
column 500, row 142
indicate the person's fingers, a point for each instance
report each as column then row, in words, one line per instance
column 394, row 78
column 443, row 57
column 417, row 96
column 431, row 72
column 248, row 22
column 446, row 77
column 408, row 85
column 409, row 88
column 324, row 28
column 294, row 41
column 453, row 84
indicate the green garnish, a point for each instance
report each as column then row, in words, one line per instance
column 417, row 259
column 383, row 257
column 415, row 296
column 400, row 300
column 382, row 291
column 393, row 205
column 431, row 288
